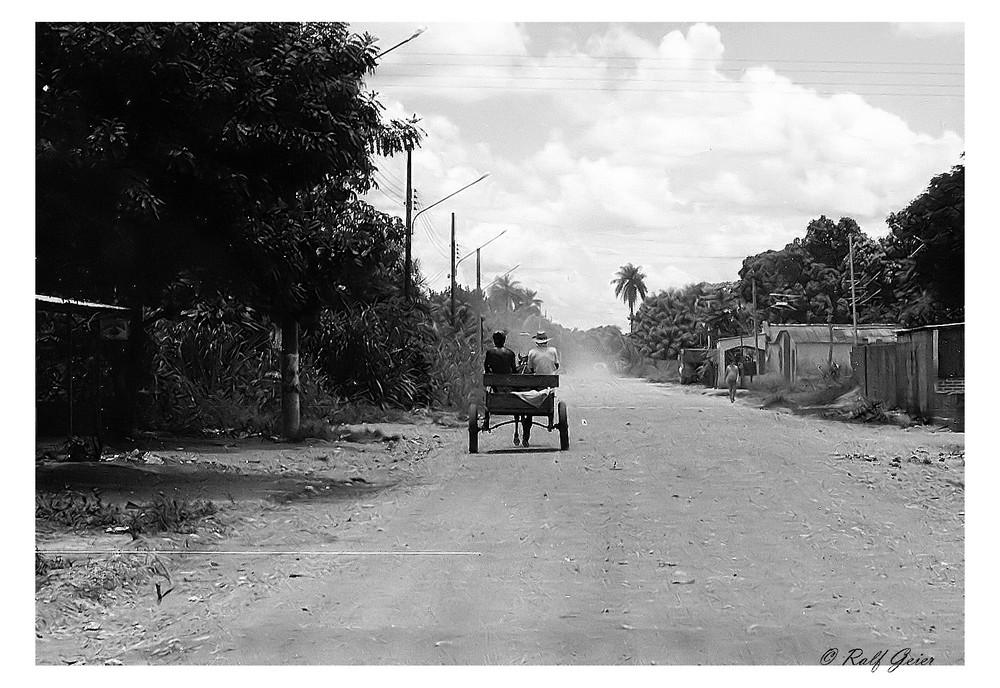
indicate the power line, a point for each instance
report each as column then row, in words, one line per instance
column 435, row 235
column 470, row 56
column 382, row 191
column 623, row 79
column 389, row 185
column 432, row 233
column 661, row 69
column 437, row 275
column 391, row 181
column 434, row 240
column 805, row 90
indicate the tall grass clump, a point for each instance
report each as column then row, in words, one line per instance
column 213, row 368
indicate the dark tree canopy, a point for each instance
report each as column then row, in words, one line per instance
column 811, row 275
column 180, row 149
column 926, row 249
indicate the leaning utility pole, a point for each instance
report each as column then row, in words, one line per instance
column 407, row 265
column 453, row 269
column 854, row 302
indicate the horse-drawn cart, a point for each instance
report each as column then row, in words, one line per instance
column 523, row 397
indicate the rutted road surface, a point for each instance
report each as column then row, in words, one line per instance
column 678, row 529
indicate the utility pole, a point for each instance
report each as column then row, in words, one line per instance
column 410, row 217
column 756, row 354
column 453, row 256
column 854, row 302
column 479, row 291
column 409, row 222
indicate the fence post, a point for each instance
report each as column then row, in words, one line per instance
column 865, row 350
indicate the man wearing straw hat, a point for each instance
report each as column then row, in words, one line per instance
column 542, row 360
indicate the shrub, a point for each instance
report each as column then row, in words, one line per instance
column 76, row 510
column 173, row 515
column 375, row 352
column 211, row 369
column 769, row 383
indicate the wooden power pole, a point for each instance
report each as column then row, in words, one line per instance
column 479, row 291
column 407, row 264
column 854, row 302
column 453, row 268
column 756, row 353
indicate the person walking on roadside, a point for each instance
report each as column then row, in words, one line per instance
column 542, row 360
column 732, row 379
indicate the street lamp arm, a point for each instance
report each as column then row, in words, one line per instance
column 423, row 210
column 405, row 40
column 501, row 277
column 476, row 249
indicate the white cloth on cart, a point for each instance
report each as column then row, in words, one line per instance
column 535, row 397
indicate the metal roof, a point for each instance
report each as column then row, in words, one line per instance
column 933, row 327
column 820, row 334
column 51, row 302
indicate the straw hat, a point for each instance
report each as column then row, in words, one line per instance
column 540, row 337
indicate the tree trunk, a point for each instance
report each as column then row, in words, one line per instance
column 829, row 359
column 290, row 377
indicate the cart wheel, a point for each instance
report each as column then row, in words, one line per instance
column 563, row 426
column 473, row 430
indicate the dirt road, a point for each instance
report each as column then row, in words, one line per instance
column 678, row 529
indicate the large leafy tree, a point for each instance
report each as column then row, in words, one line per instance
column 630, row 286
column 924, row 268
column 808, row 280
column 222, row 153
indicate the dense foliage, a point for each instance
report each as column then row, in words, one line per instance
column 924, row 256
column 809, row 280
column 687, row 318
column 223, row 157
column 913, row 276
column 167, row 149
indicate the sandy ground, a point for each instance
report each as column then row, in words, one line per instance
column 678, row 529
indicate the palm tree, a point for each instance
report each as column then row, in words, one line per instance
column 506, row 293
column 529, row 302
column 630, row 286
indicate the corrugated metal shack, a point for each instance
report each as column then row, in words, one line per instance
column 801, row 351
column 923, row 373
column 72, row 341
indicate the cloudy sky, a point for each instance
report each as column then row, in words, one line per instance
column 681, row 148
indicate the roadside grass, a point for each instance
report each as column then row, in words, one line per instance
column 95, row 579
column 837, row 398
column 776, row 391
column 82, row 511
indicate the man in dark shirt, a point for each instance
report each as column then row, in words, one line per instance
column 500, row 359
